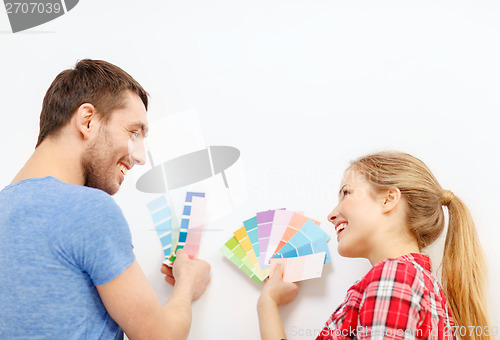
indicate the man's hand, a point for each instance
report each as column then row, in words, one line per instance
column 190, row 273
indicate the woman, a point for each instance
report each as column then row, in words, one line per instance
column 389, row 209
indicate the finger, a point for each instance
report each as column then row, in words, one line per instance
column 166, row 269
column 163, row 268
column 170, row 280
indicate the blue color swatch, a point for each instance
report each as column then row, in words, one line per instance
column 162, row 220
column 309, row 239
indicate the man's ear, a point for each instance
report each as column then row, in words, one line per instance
column 390, row 200
column 86, row 121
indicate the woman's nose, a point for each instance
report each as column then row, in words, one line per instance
column 332, row 216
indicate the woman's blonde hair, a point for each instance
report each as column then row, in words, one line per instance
column 464, row 264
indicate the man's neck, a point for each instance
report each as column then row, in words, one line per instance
column 55, row 159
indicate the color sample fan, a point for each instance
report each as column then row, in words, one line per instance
column 276, row 236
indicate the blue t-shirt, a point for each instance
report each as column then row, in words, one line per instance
column 59, row 241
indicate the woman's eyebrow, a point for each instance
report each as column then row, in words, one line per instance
column 340, row 191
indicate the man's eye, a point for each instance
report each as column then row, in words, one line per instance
column 136, row 134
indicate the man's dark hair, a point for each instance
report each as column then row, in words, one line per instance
column 97, row 82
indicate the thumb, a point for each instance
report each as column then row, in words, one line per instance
column 180, row 252
column 278, row 270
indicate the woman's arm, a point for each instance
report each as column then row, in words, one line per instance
column 276, row 292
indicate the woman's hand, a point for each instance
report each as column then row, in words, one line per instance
column 276, row 292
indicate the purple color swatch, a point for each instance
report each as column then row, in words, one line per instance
column 264, row 226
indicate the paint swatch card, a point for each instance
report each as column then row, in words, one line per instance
column 301, row 268
column 235, row 253
column 162, row 221
column 279, row 235
column 241, row 236
column 296, row 222
column 264, row 226
column 191, row 214
column 191, row 227
column 309, row 239
column 253, row 234
column 281, row 221
column 315, row 247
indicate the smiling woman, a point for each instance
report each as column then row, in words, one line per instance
column 390, row 208
column 364, row 227
column 464, row 267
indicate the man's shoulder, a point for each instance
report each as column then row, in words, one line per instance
column 82, row 193
column 83, row 208
column 55, row 188
column 49, row 192
column 79, row 199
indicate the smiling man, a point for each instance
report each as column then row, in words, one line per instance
column 67, row 267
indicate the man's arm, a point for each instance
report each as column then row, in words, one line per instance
column 132, row 303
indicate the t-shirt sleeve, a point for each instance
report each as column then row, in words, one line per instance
column 93, row 236
column 390, row 304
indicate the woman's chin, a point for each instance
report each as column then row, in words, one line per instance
column 345, row 250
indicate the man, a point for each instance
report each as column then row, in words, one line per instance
column 67, row 269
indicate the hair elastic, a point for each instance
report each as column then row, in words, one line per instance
column 446, row 197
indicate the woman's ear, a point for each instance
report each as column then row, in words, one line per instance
column 390, row 200
column 86, row 121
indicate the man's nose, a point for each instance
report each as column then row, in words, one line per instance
column 137, row 151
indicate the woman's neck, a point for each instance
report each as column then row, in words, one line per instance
column 393, row 248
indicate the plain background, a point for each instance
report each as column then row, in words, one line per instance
column 301, row 88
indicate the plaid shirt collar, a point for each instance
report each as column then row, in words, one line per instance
column 421, row 259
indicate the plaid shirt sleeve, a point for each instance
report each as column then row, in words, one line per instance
column 385, row 304
column 391, row 302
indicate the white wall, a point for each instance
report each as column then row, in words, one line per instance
column 301, row 88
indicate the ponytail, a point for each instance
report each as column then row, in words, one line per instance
column 464, row 271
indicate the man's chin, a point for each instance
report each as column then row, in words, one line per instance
column 111, row 190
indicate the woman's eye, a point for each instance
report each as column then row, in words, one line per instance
column 345, row 192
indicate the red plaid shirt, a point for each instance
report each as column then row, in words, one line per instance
column 398, row 299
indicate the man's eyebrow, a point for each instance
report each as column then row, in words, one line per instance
column 142, row 126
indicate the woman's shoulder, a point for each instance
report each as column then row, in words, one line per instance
column 411, row 269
